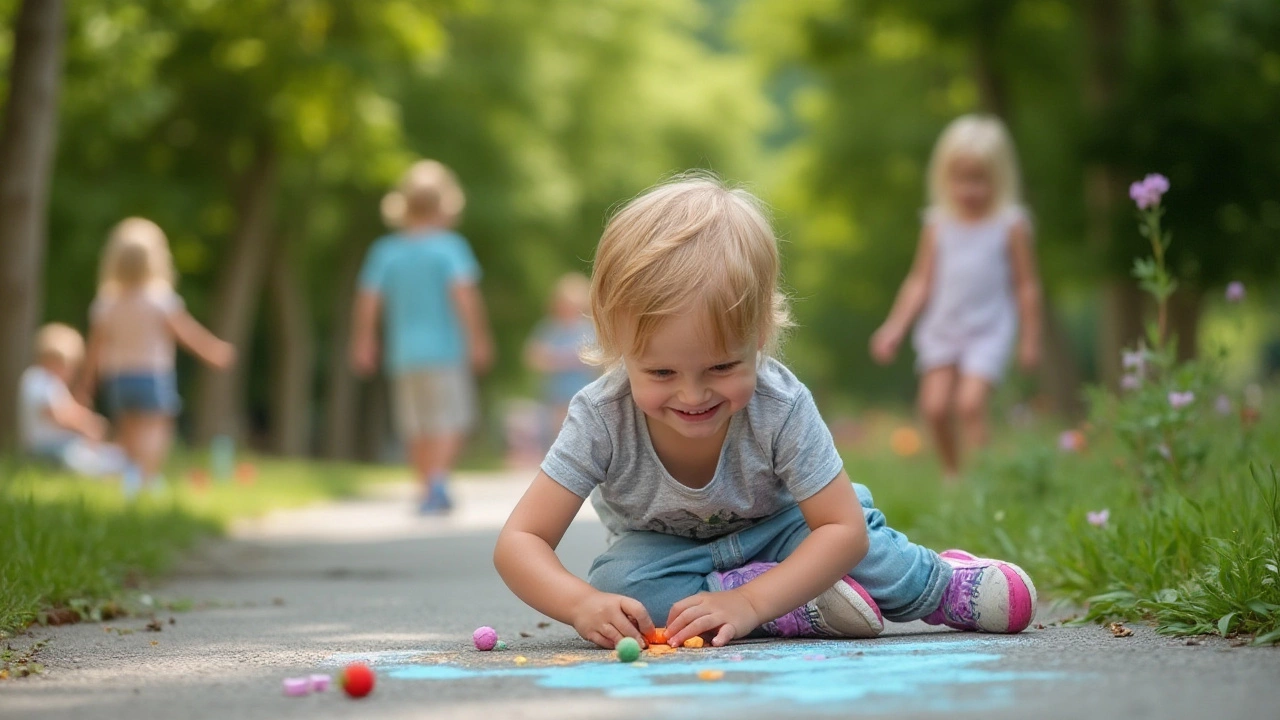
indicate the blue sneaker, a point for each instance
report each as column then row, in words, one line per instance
column 437, row 501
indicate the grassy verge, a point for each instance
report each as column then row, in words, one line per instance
column 76, row 545
column 1197, row 556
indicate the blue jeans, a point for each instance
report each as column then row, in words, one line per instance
column 659, row 570
column 142, row 392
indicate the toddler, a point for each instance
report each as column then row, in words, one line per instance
column 973, row 283
column 728, row 509
column 136, row 321
column 556, row 347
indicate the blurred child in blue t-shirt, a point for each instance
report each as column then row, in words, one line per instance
column 554, row 348
column 421, row 281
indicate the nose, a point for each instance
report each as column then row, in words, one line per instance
column 692, row 392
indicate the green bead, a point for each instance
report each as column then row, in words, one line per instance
column 628, row 650
column 500, row 645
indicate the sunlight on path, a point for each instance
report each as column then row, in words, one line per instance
column 484, row 500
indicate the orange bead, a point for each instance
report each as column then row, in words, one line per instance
column 693, row 642
column 657, row 637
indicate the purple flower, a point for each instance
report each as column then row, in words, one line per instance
column 1133, row 360
column 1222, row 405
column 1130, row 382
column 1146, row 193
column 1099, row 518
column 1235, row 291
column 1179, row 400
column 1071, row 441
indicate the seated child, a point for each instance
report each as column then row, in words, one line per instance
column 728, row 508
column 52, row 425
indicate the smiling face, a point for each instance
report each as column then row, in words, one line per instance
column 686, row 385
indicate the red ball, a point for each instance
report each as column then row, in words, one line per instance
column 357, row 680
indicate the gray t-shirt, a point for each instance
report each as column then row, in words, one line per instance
column 777, row 451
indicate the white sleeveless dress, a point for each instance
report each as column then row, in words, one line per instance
column 971, row 318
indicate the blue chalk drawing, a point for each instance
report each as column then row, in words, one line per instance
column 821, row 675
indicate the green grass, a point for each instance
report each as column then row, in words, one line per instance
column 1196, row 556
column 74, row 543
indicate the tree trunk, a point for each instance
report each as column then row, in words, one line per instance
column 292, row 358
column 220, row 406
column 1120, row 302
column 342, row 389
column 28, row 141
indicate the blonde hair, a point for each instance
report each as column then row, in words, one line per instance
column 692, row 244
column 428, row 191
column 136, row 255
column 985, row 139
column 56, row 341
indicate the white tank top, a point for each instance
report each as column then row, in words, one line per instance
column 135, row 331
column 971, row 292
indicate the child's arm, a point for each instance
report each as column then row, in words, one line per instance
column 910, row 301
column 364, row 332
column 86, row 383
column 202, row 343
column 1026, row 282
column 471, row 311
column 837, row 542
column 525, row 558
column 68, row 414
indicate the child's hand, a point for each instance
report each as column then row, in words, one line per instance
column 481, row 353
column 1028, row 355
column 223, row 355
column 604, row 619
column 884, row 344
column 728, row 614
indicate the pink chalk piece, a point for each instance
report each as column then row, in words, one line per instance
column 735, row 658
column 297, row 687
column 485, row 637
column 815, row 657
column 319, row 683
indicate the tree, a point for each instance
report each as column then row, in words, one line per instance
column 27, row 146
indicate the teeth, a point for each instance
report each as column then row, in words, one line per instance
column 696, row 412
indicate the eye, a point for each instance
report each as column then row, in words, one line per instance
column 725, row 367
column 660, row 373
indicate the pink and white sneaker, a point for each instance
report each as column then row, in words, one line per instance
column 845, row 610
column 985, row 595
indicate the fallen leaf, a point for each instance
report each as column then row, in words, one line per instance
column 525, row 634
column 544, row 625
column 155, row 643
column 1118, row 630
column 155, row 625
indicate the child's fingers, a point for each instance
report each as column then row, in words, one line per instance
column 638, row 615
column 684, row 625
column 698, row 626
column 598, row 639
column 679, row 608
column 611, row 635
column 625, row 627
column 725, row 636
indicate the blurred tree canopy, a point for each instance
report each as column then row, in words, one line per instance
column 261, row 134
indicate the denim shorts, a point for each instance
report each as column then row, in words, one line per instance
column 142, row 393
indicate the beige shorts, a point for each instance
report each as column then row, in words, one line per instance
column 439, row 401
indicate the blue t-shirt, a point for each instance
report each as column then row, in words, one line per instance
column 415, row 274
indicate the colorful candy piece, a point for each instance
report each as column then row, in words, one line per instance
column 485, row 637
column 500, row 645
column 319, row 683
column 520, row 660
column 660, row 649
column 710, row 675
column 628, row 650
column 297, row 687
column 357, row 680
column 657, row 637
column 693, row 642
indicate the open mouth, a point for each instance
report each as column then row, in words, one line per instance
column 697, row 415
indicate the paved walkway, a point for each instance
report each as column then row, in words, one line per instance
column 307, row 590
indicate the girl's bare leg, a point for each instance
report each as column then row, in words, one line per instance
column 972, row 395
column 936, row 389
